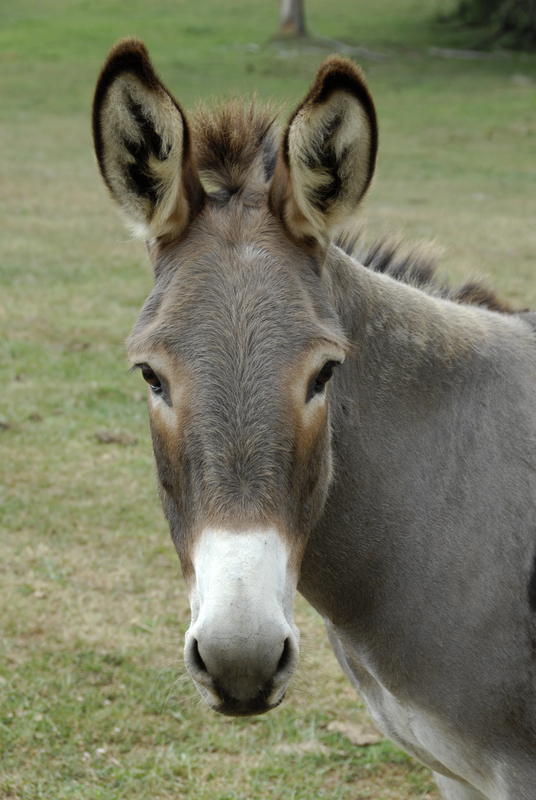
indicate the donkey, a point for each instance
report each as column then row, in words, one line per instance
column 319, row 425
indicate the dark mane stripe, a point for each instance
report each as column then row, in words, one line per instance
column 417, row 267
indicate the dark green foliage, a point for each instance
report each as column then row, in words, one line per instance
column 511, row 22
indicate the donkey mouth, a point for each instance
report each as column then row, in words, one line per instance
column 224, row 703
column 231, row 707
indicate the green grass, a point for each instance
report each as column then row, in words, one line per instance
column 94, row 702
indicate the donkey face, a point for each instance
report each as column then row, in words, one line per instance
column 237, row 343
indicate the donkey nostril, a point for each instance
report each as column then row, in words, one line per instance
column 286, row 655
column 196, row 659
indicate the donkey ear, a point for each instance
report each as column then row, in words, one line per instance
column 143, row 145
column 328, row 153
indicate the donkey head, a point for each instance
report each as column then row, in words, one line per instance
column 237, row 342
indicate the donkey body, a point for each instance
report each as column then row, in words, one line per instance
column 319, row 425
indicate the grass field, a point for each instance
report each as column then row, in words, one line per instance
column 93, row 698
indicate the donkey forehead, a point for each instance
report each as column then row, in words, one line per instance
column 234, row 299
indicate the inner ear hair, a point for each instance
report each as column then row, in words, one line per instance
column 328, row 153
column 143, row 145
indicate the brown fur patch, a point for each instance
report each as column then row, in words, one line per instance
column 478, row 295
column 235, row 143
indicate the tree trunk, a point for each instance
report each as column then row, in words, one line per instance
column 291, row 18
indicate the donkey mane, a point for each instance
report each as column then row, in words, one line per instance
column 417, row 266
column 235, row 144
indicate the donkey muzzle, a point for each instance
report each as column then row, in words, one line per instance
column 242, row 647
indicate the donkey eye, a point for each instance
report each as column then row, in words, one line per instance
column 324, row 375
column 150, row 377
column 317, row 385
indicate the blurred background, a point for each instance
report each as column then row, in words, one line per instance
column 93, row 698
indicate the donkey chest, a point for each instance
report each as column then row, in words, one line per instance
column 421, row 734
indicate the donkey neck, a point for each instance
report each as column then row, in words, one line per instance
column 402, row 335
column 407, row 387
